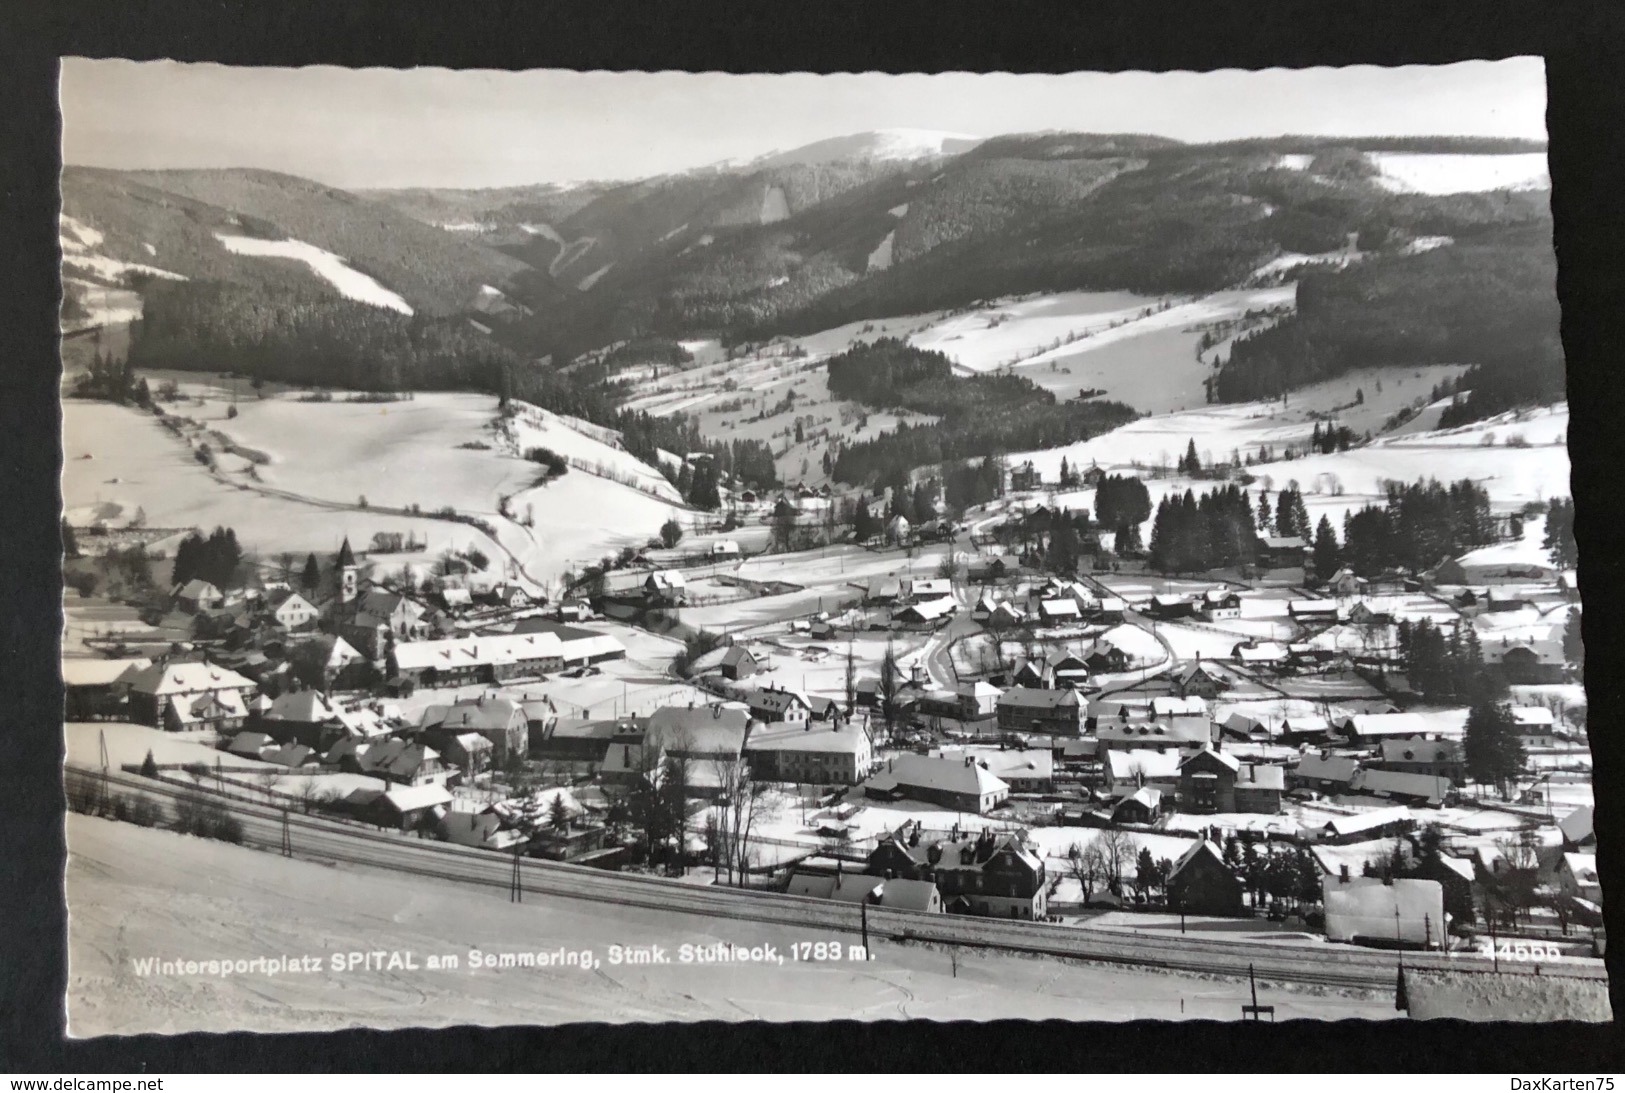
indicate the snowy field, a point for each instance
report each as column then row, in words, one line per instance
column 1455, row 173
column 1534, row 467
column 119, row 457
column 350, row 283
column 352, row 456
column 135, row 893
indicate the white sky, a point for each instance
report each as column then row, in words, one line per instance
column 437, row 127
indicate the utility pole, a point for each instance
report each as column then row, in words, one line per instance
column 287, row 835
column 516, row 885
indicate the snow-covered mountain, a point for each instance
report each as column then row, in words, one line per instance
column 880, row 144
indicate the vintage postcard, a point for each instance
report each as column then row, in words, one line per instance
column 548, row 547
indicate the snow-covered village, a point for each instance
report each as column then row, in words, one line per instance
column 1067, row 647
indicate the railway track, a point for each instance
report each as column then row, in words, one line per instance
column 325, row 840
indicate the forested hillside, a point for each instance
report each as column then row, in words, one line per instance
column 178, row 212
column 979, row 415
column 1488, row 300
column 751, row 252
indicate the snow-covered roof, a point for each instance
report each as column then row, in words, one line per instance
column 1533, row 717
column 300, row 706
column 1388, row 724
column 1006, row 763
column 485, row 713
column 1224, row 758
column 1583, row 866
column 99, row 672
column 1169, row 706
column 847, row 741
column 949, row 775
column 1577, row 825
column 186, row 677
column 476, row 650
column 408, row 798
column 1124, row 764
column 1367, row 821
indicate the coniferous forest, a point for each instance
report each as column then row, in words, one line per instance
column 979, row 416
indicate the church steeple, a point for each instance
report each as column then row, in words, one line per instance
column 346, row 569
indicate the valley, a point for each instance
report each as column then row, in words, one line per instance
column 1059, row 531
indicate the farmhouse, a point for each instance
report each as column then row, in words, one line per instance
column 1195, row 681
column 725, row 548
column 196, row 595
column 404, row 808
column 1535, row 726
column 1167, row 706
column 96, row 687
column 378, row 615
column 978, row 700
column 1059, row 611
column 964, row 785
column 484, row 658
column 1324, row 774
column 1106, row 656
column 1171, row 607
column 1181, row 732
column 1207, row 782
column 393, row 760
column 934, row 589
column 1128, row 770
column 301, row 717
column 1577, row 829
column 989, row 570
column 499, row 720
column 1375, row 824
column 1071, row 671
column 482, row 830
column 1433, row 758
column 290, row 610
column 739, row 662
column 1310, row 611
column 665, row 587
column 1577, row 876
column 883, row 591
column 1027, row 709
column 1006, row 615
column 221, row 711
column 774, row 705
column 1201, row 884
column 898, row 893
column 1036, row 673
column 1142, row 806
column 1390, row 785
column 1282, row 552
column 994, row 875
column 1371, row 728
column 1219, row 603
column 1259, row 788
column 1270, row 655
column 819, row 756
column 159, row 688
column 1368, row 909
column 342, row 665
column 925, row 612
column 1523, row 665
column 1025, row 770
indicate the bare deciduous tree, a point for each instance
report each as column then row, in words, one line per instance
column 741, row 803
